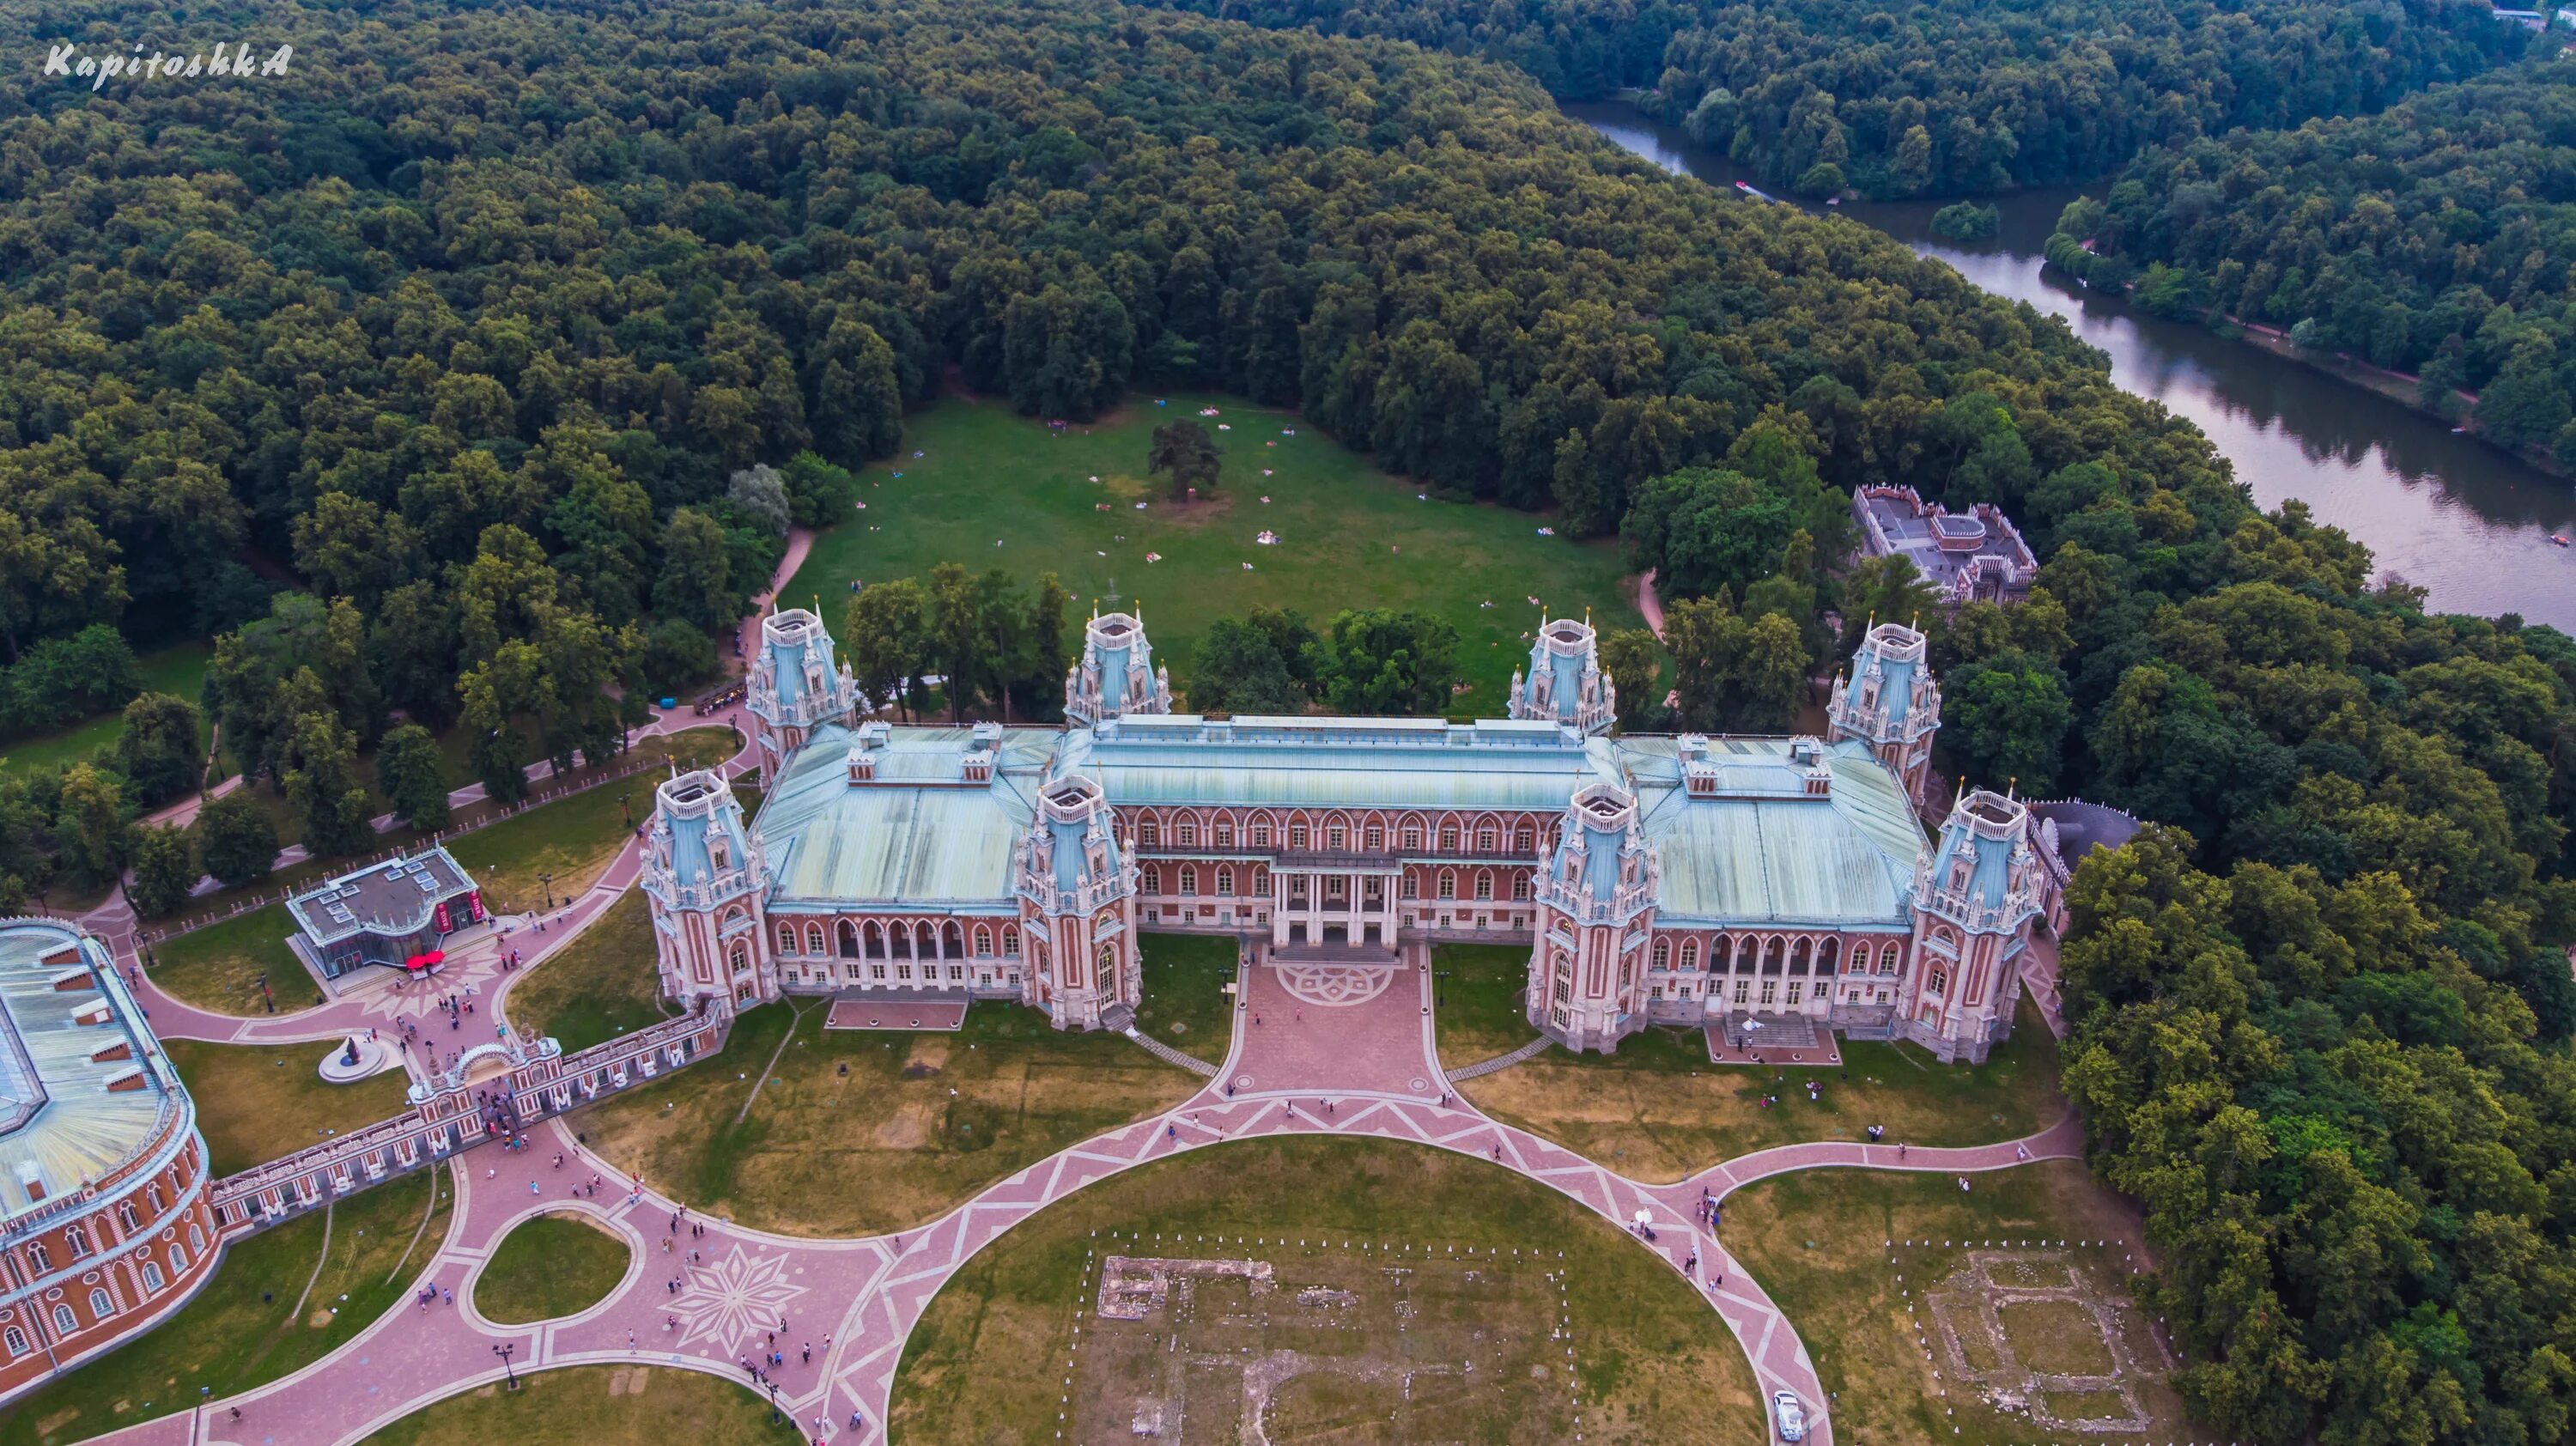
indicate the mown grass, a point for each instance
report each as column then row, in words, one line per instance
column 586, row 1404
column 595, row 988
column 257, row 1103
column 1654, row 1362
column 1349, row 535
column 558, row 849
column 1186, row 1005
column 243, row 1330
column 925, row 1119
column 219, row 967
column 553, row 1265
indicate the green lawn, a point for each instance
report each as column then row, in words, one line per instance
column 219, row 966
column 256, row 1103
column 179, row 669
column 1478, row 1014
column 595, row 988
column 1349, row 535
column 1815, row 1240
column 1655, row 1364
column 554, row 1265
column 1658, row 1110
column 241, row 1331
column 925, row 1120
column 1186, row 1005
column 572, row 839
column 582, row 1405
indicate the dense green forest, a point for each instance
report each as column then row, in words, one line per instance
column 2436, row 238
column 483, row 359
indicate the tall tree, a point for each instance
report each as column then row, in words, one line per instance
column 1184, row 452
column 322, row 786
column 1635, row 662
column 165, row 869
column 162, row 751
column 1384, row 661
column 237, row 839
column 412, row 777
column 885, row 633
column 89, row 826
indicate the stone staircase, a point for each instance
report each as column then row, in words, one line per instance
column 1165, row 1052
column 1120, row 1017
column 1484, row 1067
column 1778, row 1031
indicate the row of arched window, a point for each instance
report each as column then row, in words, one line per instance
column 1771, row 954
column 878, row 939
column 1336, row 833
column 102, row 1306
column 1186, row 878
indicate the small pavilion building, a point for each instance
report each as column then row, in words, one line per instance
column 386, row 913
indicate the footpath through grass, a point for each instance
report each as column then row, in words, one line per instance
column 1655, row 1363
column 1657, row 1109
column 601, row 985
column 553, row 1265
column 923, row 1119
column 587, row 1404
column 1816, row 1241
column 1186, row 1005
column 241, row 1331
column 1349, row 536
column 256, row 1103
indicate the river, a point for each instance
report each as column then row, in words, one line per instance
column 2448, row 513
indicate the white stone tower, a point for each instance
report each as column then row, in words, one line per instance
column 795, row 686
column 704, row 879
column 1890, row 703
column 1596, row 908
column 1077, row 892
column 1565, row 681
column 1975, row 894
column 1116, row 674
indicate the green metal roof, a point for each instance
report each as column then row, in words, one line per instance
column 1256, row 762
column 1758, row 854
column 917, row 835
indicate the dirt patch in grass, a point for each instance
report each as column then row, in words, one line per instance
column 1652, row 1363
column 256, row 1103
column 849, row 1105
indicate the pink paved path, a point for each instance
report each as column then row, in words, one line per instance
column 1315, row 1068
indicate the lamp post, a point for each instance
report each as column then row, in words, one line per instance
column 548, row 880
column 503, row 1351
column 627, row 808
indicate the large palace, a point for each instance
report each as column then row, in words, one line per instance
column 1787, row 883
column 104, row 1222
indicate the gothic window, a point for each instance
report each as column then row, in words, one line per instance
column 849, row 934
column 1663, row 953
column 952, row 942
column 1448, row 838
column 1690, row 953
column 1260, row 881
column 1376, row 837
column 1108, row 962
column 1189, row 834
column 43, row 1258
column 814, row 940
column 876, row 940
column 1412, row 887
column 1940, row 982
column 1225, row 883
column 1413, row 837
column 126, row 1216
column 1153, row 879
column 1523, row 841
column 718, row 855
column 1225, row 835
column 1189, row 880
column 78, row 1240
column 786, row 938
column 1448, row 884
column 1484, row 884
column 1261, row 834
column 1521, row 887
column 1297, row 836
column 1149, row 834
column 1010, row 942
column 983, row 941
column 1484, row 840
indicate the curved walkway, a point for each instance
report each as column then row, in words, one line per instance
column 710, row 1302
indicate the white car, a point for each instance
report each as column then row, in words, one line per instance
column 1789, row 1415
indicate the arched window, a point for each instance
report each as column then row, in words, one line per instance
column 1690, row 953
column 64, row 1324
column 1485, row 840
column 1010, row 941
column 1412, row 886
column 1336, row 837
column 876, row 940
column 196, row 1239
column 849, row 936
column 1189, row 879
column 44, row 1260
column 899, row 939
column 786, row 938
column 178, row 1258
column 983, row 941
column 1663, row 954
column 1224, row 834
column 1448, row 838
column 1149, row 834
column 1153, row 878
column 1484, row 884
column 1297, row 836
column 152, row 1276
column 1189, row 833
column 1448, row 884
column 1260, row 881
column 1523, row 841
column 15, row 1339
column 78, row 1240
column 100, row 1307
column 1521, row 887
column 1376, row 838
column 1261, row 833
column 740, row 957
column 1225, row 883
column 1108, row 965
column 952, row 941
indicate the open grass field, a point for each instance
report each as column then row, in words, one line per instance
column 1816, row 1241
column 219, row 966
column 925, row 1120
column 256, row 1103
column 254, row 1321
column 572, row 839
column 1477, row 989
column 554, row 1265
column 1654, row 1364
column 584, row 1404
column 1349, row 535
column 595, row 988
column 179, row 670
column 1186, row 1005
column 1658, row 1110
